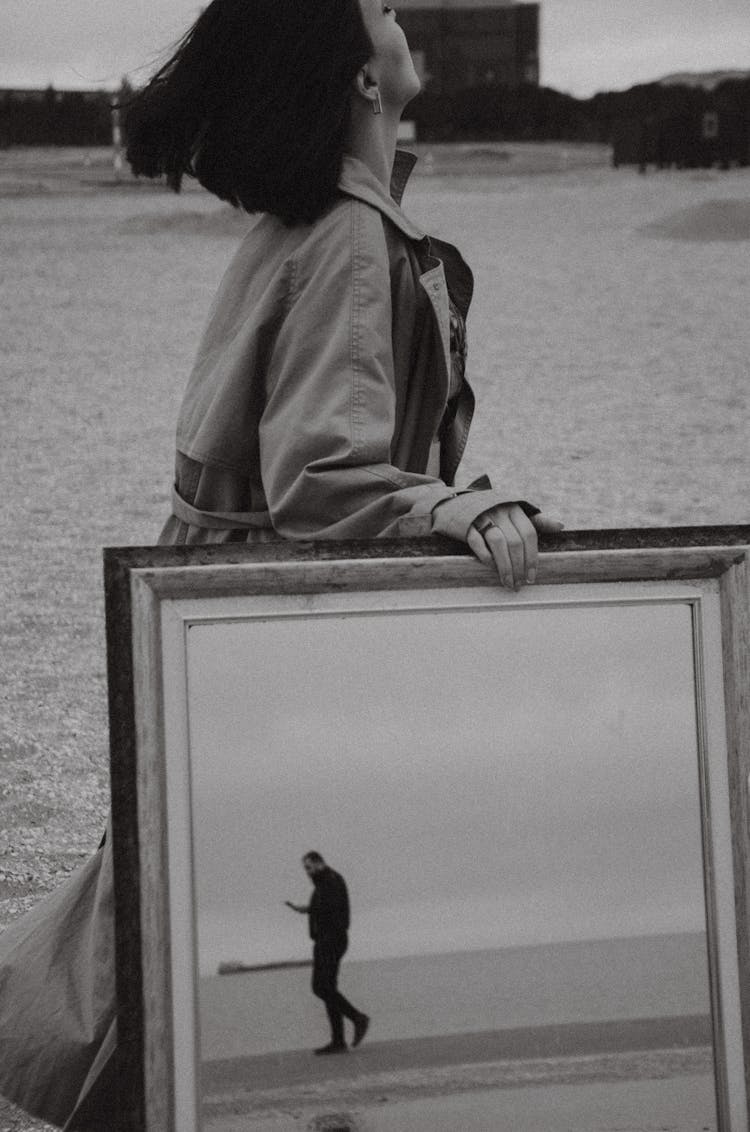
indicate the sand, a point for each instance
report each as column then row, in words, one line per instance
column 609, row 357
column 653, row 1106
column 470, row 1080
column 634, row 1090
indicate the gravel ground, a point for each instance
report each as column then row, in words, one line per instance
column 608, row 347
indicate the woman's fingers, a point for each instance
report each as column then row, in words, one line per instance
column 548, row 526
column 508, row 549
column 497, row 544
column 507, row 537
column 478, row 547
column 510, row 537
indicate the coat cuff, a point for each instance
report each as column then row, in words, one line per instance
column 453, row 517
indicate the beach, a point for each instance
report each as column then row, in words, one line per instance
column 631, row 1015
column 654, row 1089
column 528, row 994
column 608, row 350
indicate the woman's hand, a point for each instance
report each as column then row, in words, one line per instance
column 507, row 537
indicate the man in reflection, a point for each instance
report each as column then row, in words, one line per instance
column 328, row 918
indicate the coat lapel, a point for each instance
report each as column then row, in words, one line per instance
column 358, row 181
column 434, row 285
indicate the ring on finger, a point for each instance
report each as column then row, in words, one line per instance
column 486, row 526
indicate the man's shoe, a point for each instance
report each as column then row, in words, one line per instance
column 360, row 1029
column 332, row 1047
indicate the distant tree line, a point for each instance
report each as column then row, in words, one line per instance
column 686, row 127
column 664, row 124
column 54, row 117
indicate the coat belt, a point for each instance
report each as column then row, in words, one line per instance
column 218, row 520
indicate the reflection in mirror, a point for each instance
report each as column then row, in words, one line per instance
column 513, row 800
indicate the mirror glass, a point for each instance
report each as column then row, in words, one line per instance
column 512, row 796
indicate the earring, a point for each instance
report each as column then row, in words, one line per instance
column 377, row 106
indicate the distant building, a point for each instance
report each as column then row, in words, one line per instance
column 55, row 117
column 460, row 45
column 470, row 55
column 685, row 125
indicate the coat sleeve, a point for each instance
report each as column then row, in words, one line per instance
column 329, row 418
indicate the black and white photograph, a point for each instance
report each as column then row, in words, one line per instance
column 374, row 738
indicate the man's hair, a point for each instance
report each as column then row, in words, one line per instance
column 255, row 104
column 313, row 856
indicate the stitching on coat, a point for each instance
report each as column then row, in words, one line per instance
column 211, row 460
column 292, row 285
column 399, row 479
column 356, row 386
column 191, row 480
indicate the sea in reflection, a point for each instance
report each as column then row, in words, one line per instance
column 604, row 981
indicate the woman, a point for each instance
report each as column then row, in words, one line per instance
column 328, row 400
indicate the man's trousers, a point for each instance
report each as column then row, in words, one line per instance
column 327, row 956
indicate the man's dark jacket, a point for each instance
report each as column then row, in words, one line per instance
column 328, row 910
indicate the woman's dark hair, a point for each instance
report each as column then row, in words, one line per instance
column 254, row 103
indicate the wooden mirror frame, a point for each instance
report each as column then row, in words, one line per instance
column 140, row 582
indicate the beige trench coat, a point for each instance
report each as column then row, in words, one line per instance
column 320, row 392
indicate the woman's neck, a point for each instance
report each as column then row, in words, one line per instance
column 372, row 138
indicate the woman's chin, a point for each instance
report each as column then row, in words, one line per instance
column 415, row 88
column 408, row 94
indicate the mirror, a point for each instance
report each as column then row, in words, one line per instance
column 528, row 797
column 514, row 802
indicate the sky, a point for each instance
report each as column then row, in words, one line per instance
column 481, row 781
column 586, row 45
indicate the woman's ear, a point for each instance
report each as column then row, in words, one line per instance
column 367, row 88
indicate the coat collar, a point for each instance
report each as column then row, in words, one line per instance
column 356, row 180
